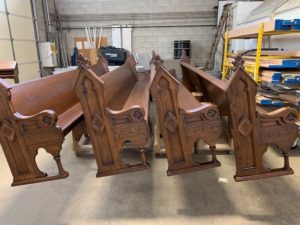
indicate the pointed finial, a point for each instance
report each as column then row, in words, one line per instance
column 238, row 62
column 81, row 60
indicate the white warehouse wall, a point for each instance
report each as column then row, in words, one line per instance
column 181, row 20
column 288, row 10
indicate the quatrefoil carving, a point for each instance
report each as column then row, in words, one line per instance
column 97, row 123
column 170, row 122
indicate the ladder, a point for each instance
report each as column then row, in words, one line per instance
column 224, row 22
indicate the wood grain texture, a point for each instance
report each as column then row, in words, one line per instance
column 252, row 130
column 115, row 107
column 9, row 70
column 183, row 121
column 37, row 114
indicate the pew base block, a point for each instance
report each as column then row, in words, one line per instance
column 200, row 166
column 272, row 173
column 160, row 155
column 40, row 179
column 131, row 168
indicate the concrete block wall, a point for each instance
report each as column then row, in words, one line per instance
column 193, row 20
column 67, row 7
column 162, row 41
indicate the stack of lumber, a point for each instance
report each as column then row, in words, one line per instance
column 286, row 77
column 275, row 66
column 278, row 95
column 278, row 100
column 274, row 63
column 271, row 63
column 266, row 100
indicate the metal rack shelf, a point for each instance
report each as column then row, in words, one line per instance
column 258, row 31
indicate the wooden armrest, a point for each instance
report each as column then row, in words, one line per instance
column 134, row 113
column 45, row 118
column 70, row 118
column 210, row 111
column 287, row 114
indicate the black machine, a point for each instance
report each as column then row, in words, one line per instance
column 114, row 56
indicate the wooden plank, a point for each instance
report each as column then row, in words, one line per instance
column 278, row 53
column 269, row 80
column 288, row 98
column 270, row 76
column 9, row 70
column 7, row 65
column 268, row 101
column 271, row 63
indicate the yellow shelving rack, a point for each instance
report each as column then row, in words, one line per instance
column 257, row 31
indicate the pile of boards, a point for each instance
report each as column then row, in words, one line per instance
column 276, row 66
column 280, row 72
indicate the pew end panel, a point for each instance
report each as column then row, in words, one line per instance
column 22, row 136
column 88, row 88
column 251, row 128
column 259, row 128
column 112, row 117
column 182, row 124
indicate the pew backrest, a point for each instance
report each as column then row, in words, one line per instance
column 53, row 92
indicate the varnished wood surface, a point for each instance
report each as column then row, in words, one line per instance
column 37, row 114
column 115, row 107
column 183, row 121
column 53, row 93
column 251, row 128
column 9, row 70
column 7, row 65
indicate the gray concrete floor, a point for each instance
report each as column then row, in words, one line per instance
column 150, row 197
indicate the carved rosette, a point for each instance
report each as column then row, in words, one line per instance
column 290, row 117
column 46, row 120
column 212, row 114
column 136, row 115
